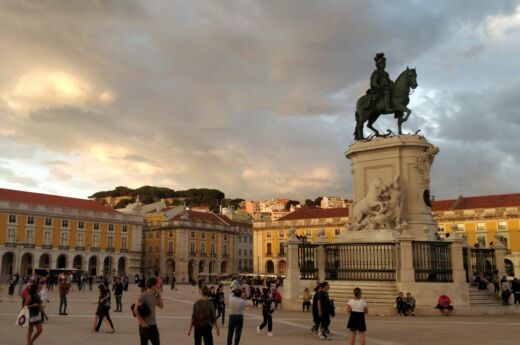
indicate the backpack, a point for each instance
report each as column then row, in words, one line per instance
column 199, row 319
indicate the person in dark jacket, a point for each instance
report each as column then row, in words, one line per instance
column 324, row 310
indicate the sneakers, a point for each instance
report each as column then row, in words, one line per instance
column 323, row 337
column 258, row 329
column 270, row 334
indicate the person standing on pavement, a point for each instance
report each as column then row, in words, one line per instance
column 357, row 308
column 237, row 305
column 118, row 288
column 151, row 298
column 63, row 287
column 33, row 303
column 203, row 319
column 324, row 310
column 267, row 313
column 315, row 315
column 103, row 308
column 221, row 304
column 174, row 280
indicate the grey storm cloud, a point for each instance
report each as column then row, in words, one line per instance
column 255, row 98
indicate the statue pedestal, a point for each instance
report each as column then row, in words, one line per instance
column 369, row 236
column 406, row 159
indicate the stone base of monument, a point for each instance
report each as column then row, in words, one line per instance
column 372, row 236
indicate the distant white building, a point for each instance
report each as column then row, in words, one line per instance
column 332, row 202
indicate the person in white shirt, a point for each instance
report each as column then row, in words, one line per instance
column 237, row 305
column 357, row 308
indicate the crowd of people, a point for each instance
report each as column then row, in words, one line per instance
column 209, row 311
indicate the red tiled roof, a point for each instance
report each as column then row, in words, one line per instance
column 232, row 222
column 473, row 202
column 310, row 213
column 203, row 217
column 442, row 205
column 53, row 200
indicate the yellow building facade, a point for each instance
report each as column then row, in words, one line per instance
column 54, row 232
column 190, row 244
column 269, row 237
column 483, row 221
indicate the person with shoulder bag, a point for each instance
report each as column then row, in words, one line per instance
column 144, row 311
column 203, row 319
column 34, row 304
column 103, row 309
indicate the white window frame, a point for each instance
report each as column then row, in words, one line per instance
column 478, row 227
column 80, row 239
column 64, row 235
column 506, row 228
column 95, row 240
column 203, row 247
column 12, row 219
column 49, row 223
column 29, row 236
column 193, row 250
column 110, row 241
column 124, row 242
column 81, row 225
column 96, row 227
column 170, row 246
column 47, row 238
column 111, row 227
column 11, row 235
column 65, row 223
column 30, row 218
column 125, row 228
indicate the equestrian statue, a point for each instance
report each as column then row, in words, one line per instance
column 384, row 97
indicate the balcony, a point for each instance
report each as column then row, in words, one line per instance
column 64, row 247
column 29, row 245
column 269, row 254
column 80, row 248
column 46, row 246
column 110, row 250
column 10, row 245
column 281, row 255
column 94, row 249
column 123, row 250
column 193, row 254
column 169, row 253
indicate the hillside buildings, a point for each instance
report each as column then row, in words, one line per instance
column 56, row 232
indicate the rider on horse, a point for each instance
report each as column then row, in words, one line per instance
column 380, row 83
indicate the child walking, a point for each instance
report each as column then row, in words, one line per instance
column 357, row 308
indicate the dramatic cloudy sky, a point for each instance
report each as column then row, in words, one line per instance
column 255, row 98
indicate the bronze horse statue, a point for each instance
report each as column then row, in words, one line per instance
column 399, row 99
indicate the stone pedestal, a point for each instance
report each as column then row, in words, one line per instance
column 405, row 159
column 292, row 278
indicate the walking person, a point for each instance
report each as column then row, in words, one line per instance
column 324, row 310
column 174, row 280
column 221, row 304
column 103, row 308
column 315, row 315
column 33, row 303
column 63, row 287
column 118, row 288
column 44, row 299
column 267, row 313
column 237, row 305
column 203, row 319
column 357, row 308
column 11, row 286
column 144, row 311
column 306, row 300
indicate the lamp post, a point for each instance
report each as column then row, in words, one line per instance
column 19, row 259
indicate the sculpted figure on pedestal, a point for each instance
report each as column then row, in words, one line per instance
column 385, row 97
column 380, row 209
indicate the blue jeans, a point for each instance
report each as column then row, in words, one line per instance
column 63, row 303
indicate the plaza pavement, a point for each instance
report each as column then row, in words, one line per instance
column 290, row 328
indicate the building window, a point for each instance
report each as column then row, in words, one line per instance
column 337, row 232
column 11, row 235
column 225, row 237
column 212, row 235
column 30, row 220
column 12, row 219
column 240, row 252
column 281, row 234
column 203, row 248
column 81, row 225
column 213, row 249
column 170, row 247
column 65, row 223
column 170, row 233
column 193, row 234
column 239, row 239
column 47, row 238
column 281, row 249
column 482, row 240
column 224, row 249
column 124, row 242
column 203, row 235
column 192, row 247
column 308, row 232
column 81, row 237
column 29, row 237
column 268, row 234
column 64, row 239
column 125, row 228
column 110, row 227
column 481, row 226
column 96, row 226
column 269, row 249
column 461, row 227
column 110, row 241
column 48, row 222
column 502, row 226
column 95, row 240
column 250, row 252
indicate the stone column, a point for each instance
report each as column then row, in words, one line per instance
column 406, row 270
column 500, row 254
column 322, row 259
column 292, row 277
column 457, row 260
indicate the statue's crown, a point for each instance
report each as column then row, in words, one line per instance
column 380, row 57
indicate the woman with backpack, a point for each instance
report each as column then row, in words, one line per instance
column 203, row 319
column 103, row 308
column 267, row 311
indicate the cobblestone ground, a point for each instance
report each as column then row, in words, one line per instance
column 289, row 327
